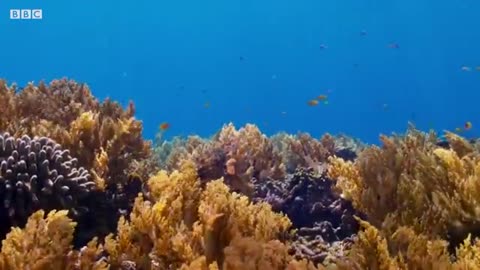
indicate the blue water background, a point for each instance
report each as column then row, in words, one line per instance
column 253, row 60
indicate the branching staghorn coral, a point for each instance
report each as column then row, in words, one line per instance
column 411, row 181
column 38, row 174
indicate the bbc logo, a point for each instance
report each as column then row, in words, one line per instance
column 26, row 14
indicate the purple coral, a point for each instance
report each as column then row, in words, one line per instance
column 38, row 174
column 322, row 218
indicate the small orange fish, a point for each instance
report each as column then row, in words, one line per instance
column 312, row 102
column 322, row 97
column 468, row 125
column 164, row 126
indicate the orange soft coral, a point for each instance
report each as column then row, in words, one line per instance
column 45, row 244
column 68, row 113
column 411, row 181
column 183, row 223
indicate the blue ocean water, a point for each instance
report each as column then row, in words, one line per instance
column 260, row 61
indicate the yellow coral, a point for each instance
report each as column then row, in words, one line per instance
column 87, row 257
column 248, row 254
column 256, row 220
column 348, row 179
column 411, row 181
column 180, row 190
column 160, row 233
column 44, row 245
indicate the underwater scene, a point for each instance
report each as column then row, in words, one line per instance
column 239, row 135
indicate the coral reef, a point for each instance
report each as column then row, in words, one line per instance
column 239, row 200
column 256, row 155
column 180, row 225
column 45, row 244
column 253, row 151
column 38, row 174
column 323, row 220
column 105, row 139
column 405, row 249
column 411, row 181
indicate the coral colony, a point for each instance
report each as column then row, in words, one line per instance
column 81, row 189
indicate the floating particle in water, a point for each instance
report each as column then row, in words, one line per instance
column 466, row 68
column 206, row 105
column 394, row 45
column 323, row 47
column 241, row 58
column 274, row 77
column 363, row 33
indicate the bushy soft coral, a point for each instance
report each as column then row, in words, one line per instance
column 304, row 151
column 68, row 113
column 160, row 231
column 405, row 249
column 253, row 151
column 414, row 182
column 105, row 138
column 257, row 156
column 45, row 244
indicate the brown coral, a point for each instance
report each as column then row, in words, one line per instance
column 413, row 182
column 45, row 244
column 406, row 250
column 67, row 112
column 183, row 223
column 305, row 151
column 253, row 151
